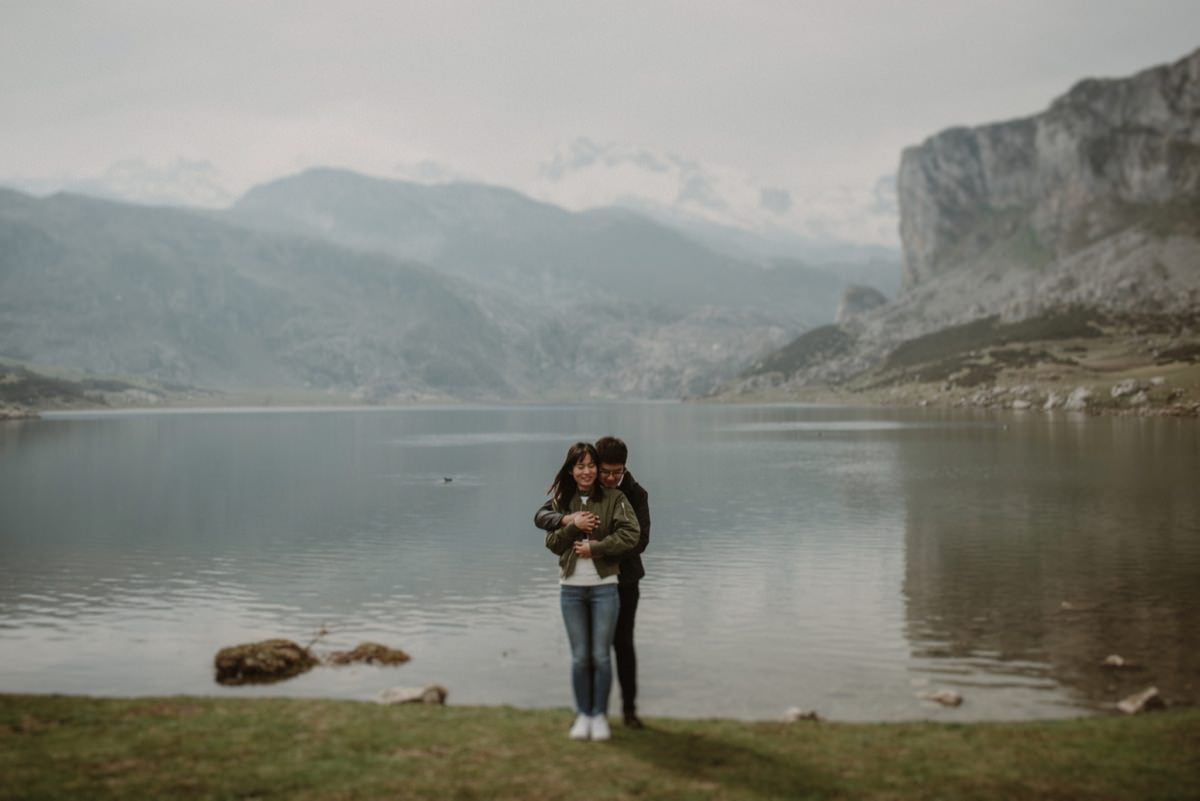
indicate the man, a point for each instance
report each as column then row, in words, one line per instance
column 613, row 475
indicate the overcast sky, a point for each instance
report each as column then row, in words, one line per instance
column 753, row 111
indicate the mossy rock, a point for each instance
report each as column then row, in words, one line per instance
column 370, row 652
column 262, row 662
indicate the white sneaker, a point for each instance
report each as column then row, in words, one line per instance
column 582, row 728
column 600, row 730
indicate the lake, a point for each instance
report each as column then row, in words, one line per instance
column 843, row 560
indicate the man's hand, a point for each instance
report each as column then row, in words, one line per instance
column 585, row 521
column 583, row 549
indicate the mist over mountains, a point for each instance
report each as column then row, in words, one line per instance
column 181, row 182
column 507, row 241
column 335, row 282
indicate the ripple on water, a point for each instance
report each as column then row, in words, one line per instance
column 457, row 439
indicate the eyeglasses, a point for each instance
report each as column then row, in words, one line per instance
column 612, row 473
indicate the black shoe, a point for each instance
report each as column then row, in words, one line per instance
column 632, row 722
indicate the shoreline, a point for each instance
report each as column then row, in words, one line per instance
column 996, row 400
column 1145, row 392
column 1152, row 396
column 792, row 716
column 1106, row 384
column 1114, row 367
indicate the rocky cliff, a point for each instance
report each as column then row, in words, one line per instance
column 1024, row 193
column 1089, row 210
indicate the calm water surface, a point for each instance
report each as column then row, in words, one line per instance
column 843, row 560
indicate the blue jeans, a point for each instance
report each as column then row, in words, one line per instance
column 590, row 614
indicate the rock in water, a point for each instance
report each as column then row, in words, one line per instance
column 1078, row 400
column 262, row 662
column 430, row 694
column 370, row 652
column 795, row 714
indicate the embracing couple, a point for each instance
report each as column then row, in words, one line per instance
column 597, row 521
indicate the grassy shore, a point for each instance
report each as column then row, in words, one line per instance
column 60, row 747
column 1148, row 366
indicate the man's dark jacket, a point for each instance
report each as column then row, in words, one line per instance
column 631, row 564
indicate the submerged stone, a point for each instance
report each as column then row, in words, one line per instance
column 945, row 697
column 370, row 652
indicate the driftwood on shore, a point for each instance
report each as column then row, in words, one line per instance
column 1147, row 700
column 430, row 694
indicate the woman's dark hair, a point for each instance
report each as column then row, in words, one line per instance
column 564, row 487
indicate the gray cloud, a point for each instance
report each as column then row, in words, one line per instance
column 698, row 190
column 805, row 95
column 578, row 155
column 774, row 199
column 885, row 200
column 582, row 153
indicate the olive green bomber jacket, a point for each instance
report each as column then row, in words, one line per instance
column 617, row 533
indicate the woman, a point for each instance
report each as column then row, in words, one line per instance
column 598, row 525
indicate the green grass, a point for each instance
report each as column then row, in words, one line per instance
column 1070, row 323
column 203, row 748
column 811, row 347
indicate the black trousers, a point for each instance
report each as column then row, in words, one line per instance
column 623, row 645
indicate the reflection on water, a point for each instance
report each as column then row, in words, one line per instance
column 838, row 559
column 1067, row 541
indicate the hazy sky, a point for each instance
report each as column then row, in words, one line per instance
column 755, row 111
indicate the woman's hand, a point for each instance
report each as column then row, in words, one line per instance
column 583, row 549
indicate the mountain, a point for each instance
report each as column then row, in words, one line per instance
column 312, row 284
column 169, row 295
column 671, row 316
column 1109, row 159
column 1073, row 233
column 510, row 242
